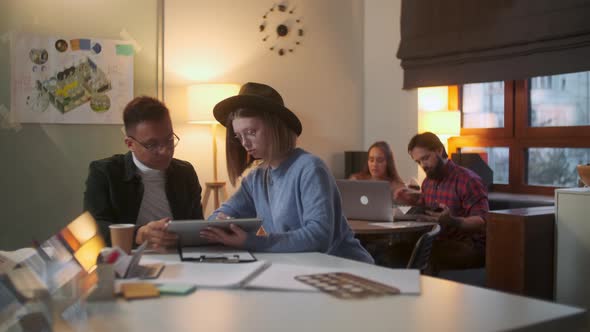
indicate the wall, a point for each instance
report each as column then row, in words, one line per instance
column 344, row 82
column 44, row 166
column 321, row 81
column 390, row 113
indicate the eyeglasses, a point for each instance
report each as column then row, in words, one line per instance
column 250, row 134
column 155, row 147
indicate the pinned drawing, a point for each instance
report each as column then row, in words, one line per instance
column 70, row 80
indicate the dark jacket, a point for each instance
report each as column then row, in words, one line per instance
column 114, row 191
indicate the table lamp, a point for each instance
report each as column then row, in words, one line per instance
column 201, row 100
column 444, row 124
column 438, row 112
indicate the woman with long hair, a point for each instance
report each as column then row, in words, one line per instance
column 380, row 167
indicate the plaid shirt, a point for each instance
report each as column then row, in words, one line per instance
column 464, row 193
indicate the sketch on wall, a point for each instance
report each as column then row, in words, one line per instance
column 69, row 80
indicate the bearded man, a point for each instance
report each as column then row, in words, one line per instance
column 454, row 197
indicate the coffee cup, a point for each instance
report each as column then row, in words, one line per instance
column 122, row 236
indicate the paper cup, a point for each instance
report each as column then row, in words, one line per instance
column 122, row 236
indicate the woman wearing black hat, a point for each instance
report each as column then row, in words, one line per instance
column 291, row 190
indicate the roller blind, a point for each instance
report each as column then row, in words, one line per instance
column 446, row 42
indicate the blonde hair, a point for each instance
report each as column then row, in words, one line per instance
column 281, row 138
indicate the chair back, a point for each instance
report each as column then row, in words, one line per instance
column 421, row 254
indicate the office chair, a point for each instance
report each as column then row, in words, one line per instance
column 421, row 254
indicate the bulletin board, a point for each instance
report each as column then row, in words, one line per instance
column 76, row 80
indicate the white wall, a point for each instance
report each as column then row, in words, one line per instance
column 322, row 81
column 390, row 113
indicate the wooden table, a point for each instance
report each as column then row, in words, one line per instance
column 392, row 244
column 364, row 227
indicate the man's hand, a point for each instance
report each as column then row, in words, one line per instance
column 442, row 216
column 235, row 237
column 407, row 196
column 155, row 233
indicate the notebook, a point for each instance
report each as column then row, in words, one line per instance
column 366, row 200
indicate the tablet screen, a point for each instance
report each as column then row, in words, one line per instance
column 188, row 230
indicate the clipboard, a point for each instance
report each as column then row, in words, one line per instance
column 214, row 254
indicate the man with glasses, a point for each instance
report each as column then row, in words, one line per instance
column 146, row 186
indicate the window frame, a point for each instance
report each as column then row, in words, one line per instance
column 517, row 135
column 508, row 128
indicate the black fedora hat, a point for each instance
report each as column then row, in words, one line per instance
column 260, row 97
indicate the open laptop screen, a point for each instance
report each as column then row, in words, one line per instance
column 366, row 200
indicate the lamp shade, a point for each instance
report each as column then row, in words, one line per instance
column 441, row 122
column 433, row 99
column 203, row 97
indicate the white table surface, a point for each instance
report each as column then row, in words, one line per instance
column 442, row 306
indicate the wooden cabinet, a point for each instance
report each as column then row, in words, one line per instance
column 572, row 273
column 520, row 250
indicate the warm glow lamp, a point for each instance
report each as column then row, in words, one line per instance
column 433, row 99
column 437, row 112
column 201, row 100
column 441, row 122
column 445, row 124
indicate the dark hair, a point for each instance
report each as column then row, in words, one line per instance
column 427, row 140
column 141, row 109
column 281, row 137
column 391, row 170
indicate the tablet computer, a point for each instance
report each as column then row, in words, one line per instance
column 189, row 230
column 414, row 212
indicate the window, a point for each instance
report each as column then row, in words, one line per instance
column 532, row 132
column 483, row 105
column 554, row 167
column 496, row 158
column 560, row 100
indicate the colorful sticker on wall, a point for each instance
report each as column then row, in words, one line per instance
column 69, row 80
column 124, row 49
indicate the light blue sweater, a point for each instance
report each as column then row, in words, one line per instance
column 300, row 208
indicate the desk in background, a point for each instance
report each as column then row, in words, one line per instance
column 442, row 306
column 520, row 251
column 363, row 227
column 390, row 246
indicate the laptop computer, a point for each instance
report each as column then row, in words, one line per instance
column 366, row 200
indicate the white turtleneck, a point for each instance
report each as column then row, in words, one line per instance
column 154, row 204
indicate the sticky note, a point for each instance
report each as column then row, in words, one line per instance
column 139, row 290
column 124, row 49
column 84, row 44
column 75, row 44
column 176, row 289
